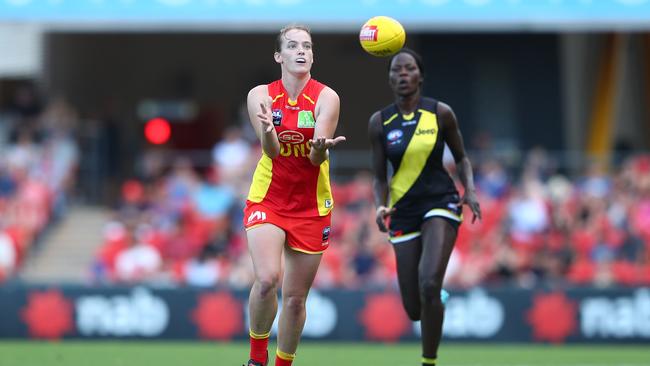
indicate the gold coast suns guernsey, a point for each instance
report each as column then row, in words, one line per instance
column 414, row 146
column 289, row 184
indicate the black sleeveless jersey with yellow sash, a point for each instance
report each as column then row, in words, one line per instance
column 414, row 146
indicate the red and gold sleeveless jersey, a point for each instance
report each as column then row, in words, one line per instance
column 289, row 184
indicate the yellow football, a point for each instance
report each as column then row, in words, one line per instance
column 382, row 36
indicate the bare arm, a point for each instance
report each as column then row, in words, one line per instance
column 259, row 111
column 454, row 140
column 380, row 182
column 327, row 118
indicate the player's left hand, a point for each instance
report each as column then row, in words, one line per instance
column 470, row 199
column 322, row 143
column 382, row 215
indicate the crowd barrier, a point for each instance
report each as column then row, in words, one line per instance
column 620, row 315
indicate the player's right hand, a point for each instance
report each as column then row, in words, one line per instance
column 265, row 115
column 383, row 213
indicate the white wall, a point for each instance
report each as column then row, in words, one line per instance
column 20, row 50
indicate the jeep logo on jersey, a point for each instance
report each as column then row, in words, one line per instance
column 306, row 119
column 291, row 137
column 277, row 117
column 429, row 131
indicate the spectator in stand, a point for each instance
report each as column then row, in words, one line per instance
column 528, row 214
column 140, row 261
column 205, row 270
column 231, row 156
column 211, row 199
column 180, row 185
column 115, row 239
column 60, row 151
column 26, row 102
column 492, row 179
column 8, row 256
column 23, row 153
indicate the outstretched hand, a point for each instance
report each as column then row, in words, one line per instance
column 383, row 213
column 265, row 115
column 322, row 143
column 470, row 199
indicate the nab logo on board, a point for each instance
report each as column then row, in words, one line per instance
column 140, row 313
column 616, row 317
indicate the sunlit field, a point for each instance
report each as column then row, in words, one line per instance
column 25, row 353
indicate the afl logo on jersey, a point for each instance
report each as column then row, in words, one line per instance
column 291, row 137
column 277, row 117
column 394, row 137
column 326, row 236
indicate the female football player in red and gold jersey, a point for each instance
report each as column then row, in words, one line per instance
column 288, row 207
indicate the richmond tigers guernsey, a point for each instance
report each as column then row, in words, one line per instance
column 289, row 184
column 414, row 145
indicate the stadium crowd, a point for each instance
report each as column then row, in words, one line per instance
column 39, row 158
column 178, row 226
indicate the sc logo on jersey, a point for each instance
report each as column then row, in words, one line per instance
column 394, row 137
column 291, row 137
column 277, row 117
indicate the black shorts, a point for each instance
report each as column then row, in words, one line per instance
column 406, row 224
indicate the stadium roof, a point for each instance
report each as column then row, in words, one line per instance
column 330, row 15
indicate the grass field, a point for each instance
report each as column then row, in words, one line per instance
column 22, row 353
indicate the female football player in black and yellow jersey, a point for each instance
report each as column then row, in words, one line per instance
column 420, row 198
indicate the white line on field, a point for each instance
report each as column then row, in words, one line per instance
column 545, row 364
column 539, row 364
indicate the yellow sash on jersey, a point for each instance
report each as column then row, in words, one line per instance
column 415, row 157
column 324, row 190
column 261, row 179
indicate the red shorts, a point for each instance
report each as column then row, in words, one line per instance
column 304, row 234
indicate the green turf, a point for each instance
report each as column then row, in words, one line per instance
column 25, row 353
